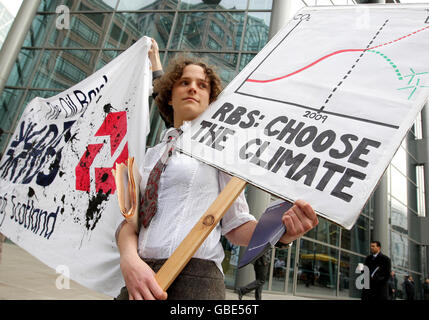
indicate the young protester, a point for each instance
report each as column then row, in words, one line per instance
column 187, row 187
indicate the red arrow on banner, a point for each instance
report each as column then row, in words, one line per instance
column 115, row 126
column 85, row 163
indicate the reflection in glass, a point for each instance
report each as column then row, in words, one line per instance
column 62, row 69
column 279, row 270
column 317, row 269
column 291, row 267
column 88, row 5
column 123, row 31
column 245, row 59
column 257, row 28
column 357, row 239
column 51, row 5
column 38, row 30
column 230, row 262
column 398, row 216
column 23, row 67
column 399, row 249
column 220, row 31
column 325, row 231
column 348, row 275
column 213, row 4
column 146, row 4
column 85, row 30
column 260, row 4
column 154, row 25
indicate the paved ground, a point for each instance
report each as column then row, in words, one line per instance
column 23, row 277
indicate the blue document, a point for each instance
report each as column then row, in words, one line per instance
column 268, row 231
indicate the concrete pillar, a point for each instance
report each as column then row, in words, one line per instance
column 257, row 199
column 413, row 226
column 280, row 15
column 381, row 216
column 15, row 38
column 425, row 129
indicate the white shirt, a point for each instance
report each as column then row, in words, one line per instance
column 187, row 188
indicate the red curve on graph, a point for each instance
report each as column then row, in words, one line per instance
column 332, row 54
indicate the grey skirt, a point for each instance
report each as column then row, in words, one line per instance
column 199, row 280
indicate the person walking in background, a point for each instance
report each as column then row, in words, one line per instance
column 426, row 289
column 379, row 266
column 409, row 287
column 393, row 285
column 261, row 266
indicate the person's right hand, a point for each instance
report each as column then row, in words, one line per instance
column 154, row 58
column 140, row 279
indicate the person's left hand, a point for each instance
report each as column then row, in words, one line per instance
column 154, row 56
column 298, row 220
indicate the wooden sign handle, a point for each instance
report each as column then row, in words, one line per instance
column 187, row 248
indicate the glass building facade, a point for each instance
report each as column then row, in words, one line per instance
column 227, row 33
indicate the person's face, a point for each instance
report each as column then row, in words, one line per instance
column 190, row 95
column 374, row 248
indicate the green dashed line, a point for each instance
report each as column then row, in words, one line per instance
column 394, row 66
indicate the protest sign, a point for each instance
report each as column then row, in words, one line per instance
column 319, row 113
column 56, row 187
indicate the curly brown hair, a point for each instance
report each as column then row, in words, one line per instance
column 164, row 85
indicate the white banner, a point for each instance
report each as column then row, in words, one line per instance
column 319, row 113
column 57, row 192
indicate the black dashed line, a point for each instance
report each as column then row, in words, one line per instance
column 354, row 65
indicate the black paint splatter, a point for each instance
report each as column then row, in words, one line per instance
column 104, row 177
column 108, row 108
column 94, row 211
column 31, row 192
column 67, row 135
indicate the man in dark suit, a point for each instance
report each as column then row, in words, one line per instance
column 409, row 287
column 379, row 267
column 393, row 286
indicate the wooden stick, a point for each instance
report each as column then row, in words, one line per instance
column 187, row 248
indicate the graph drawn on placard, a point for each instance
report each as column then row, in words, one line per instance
column 335, row 73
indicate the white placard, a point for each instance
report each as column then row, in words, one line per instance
column 319, row 113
